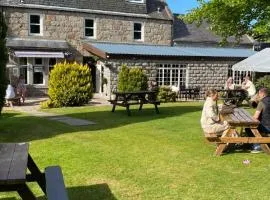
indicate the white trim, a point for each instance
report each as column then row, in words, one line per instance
column 142, row 31
column 94, row 28
column 136, row 1
column 40, row 24
column 31, row 6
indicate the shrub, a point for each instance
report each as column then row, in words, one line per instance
column 131, row 79
column 70, row 84
column 46, row 104
column 3, row 61
column 263, row 82
column 165, row 94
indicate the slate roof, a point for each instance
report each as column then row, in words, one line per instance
column 149, row 8
column 191, row 34
column 21, row 43
column 169, row 51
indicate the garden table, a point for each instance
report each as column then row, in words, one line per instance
column 14, row 162
column 240, row 119
column 126, row 99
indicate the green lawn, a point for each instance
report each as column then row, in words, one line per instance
column 145, row 156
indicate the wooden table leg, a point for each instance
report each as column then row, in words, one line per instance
column 221, row 147
column 141, row 105
column 156, row 107
column 264, row 147
column 128, row 111
column 25, row 193
column 113, row 108
column 36, row 174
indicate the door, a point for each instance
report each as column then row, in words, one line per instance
column 92, row 66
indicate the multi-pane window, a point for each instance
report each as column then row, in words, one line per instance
column 172, row 74
column 52, row 62
column 138, row 31
column 35, row 24
column 89, row 28
column 38, row 71
column 238, row 76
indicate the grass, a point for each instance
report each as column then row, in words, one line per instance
column 145, row 156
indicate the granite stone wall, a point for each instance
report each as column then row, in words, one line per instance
column 62, row 25
column 203, row 74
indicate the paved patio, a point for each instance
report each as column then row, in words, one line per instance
column 32, row 107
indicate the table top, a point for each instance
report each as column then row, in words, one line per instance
column 240, row 117
column 13, row 162
column 136, row 92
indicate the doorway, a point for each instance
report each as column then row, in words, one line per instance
column 92, row 66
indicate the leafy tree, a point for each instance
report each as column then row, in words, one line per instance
column 3, row 60
column 234, row 17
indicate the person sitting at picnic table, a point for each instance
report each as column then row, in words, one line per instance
column 21, row 88
column 210, row 120
column 10, row 94
column 229, row 85
column 262, row 114
column 249, row 87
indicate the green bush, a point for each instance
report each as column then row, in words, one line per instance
column 131, row 79
column 165, row 94
column 70, row 84
column 46, row 104
column 3, row 61
column 263, row 82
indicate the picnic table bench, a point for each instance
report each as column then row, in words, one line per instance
column 125, row 99
column 240, row 118
column 15, row 160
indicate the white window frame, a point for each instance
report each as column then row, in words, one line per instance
column 136, row 1
column 170, row 68
column 142, row 31
column 94, row 28
column 43, row 72
column 40, row 24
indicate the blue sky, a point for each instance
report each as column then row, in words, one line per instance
column 181, row 6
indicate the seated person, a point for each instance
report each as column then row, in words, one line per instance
column 210, row 120
column 249, row 87
column 229, row 85
column 262, row 114
column 10, row 94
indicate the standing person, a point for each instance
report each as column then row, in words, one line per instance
column 249, row 87
column 210, row 120
column 262, row 114
column 21, row 88
column 229, row 85
column 10, row 94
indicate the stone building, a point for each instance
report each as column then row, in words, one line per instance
column 106, row 34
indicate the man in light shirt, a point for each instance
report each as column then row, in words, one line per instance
column 249, row 87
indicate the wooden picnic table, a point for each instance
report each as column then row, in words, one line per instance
column 235, row 96
column 240, row 119
column 125, row 99
column 14, row 162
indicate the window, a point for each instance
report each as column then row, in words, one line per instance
column 52, row 62
column 138, row 31
column 171, row 74
column 89, row 25
column 38, row 71
column 238, row 76
column 136, row 1
column 35, row 24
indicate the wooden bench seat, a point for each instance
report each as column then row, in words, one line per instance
column 55, row 186
column 15, row 100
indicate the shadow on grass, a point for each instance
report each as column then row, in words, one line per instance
column 91, row 192
column 16, row 127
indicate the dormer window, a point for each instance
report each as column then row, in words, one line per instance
column 138, row 31
column 136, row 1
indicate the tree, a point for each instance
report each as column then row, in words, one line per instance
column 3, row 60
column 234, row 17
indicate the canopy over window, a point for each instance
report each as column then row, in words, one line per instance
column 39, row 54
column 259, row 62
